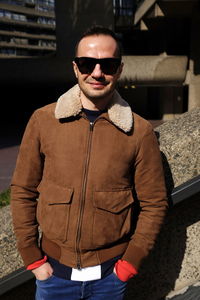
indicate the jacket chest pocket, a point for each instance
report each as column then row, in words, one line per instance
column 112, row 216
column 53, row 210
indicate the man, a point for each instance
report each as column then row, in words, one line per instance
column 89, row 160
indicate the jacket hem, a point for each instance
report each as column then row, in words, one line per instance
column 95, row 257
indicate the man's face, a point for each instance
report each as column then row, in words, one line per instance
column 97, row 85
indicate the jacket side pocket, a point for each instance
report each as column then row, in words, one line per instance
column 112, row 216
column 53, row 210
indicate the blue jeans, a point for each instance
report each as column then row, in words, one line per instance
column 55, row 288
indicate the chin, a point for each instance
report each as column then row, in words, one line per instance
column 98, row 95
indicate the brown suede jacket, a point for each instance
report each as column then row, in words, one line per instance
column 81, row 183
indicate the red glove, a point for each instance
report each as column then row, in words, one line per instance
column 37, row 263
column 124, row 270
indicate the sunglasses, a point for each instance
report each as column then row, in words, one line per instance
column 86, row 65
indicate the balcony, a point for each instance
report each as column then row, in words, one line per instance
column 27, row 28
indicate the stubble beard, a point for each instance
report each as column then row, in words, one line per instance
column 98, row 96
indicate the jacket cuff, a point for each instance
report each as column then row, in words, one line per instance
column 125, row 270
column 37, row 264
column 134, row 255
column 31, row 254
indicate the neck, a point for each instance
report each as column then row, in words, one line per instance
column 94, row 104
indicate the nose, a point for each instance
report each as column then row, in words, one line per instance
column 97, row 72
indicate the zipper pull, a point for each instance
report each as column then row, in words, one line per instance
column 91, row 126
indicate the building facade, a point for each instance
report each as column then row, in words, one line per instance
column 161, row 77
column 27, row 28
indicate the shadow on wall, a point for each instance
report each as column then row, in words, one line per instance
column 161, row 269
column 167, row 173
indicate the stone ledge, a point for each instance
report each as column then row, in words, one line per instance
column 179, row 143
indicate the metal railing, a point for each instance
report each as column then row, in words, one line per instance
column 14, row 280
column 186, row 190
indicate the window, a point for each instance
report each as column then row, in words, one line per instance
column 27, row 28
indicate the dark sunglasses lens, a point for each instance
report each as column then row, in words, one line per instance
column 109, row 66
column 86, row 65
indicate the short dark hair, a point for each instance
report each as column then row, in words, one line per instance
column 98, row 30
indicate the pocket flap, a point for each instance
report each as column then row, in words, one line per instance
column 55, row 194
column 113, row 201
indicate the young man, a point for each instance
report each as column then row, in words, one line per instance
column 84, row 164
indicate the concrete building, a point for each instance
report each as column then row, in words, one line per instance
column 163, row 54
column 27, row 28
column 160, row 41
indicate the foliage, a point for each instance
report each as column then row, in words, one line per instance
column 5, row 198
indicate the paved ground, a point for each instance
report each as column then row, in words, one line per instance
column 7, row 163
column 9, row 145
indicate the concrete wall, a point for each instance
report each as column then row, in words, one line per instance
column 174, row 262
column 194, row 65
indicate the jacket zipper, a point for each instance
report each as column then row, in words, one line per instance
column 82, row 203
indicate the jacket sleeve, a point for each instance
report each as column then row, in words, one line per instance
column 151, row 192
column 26, row 177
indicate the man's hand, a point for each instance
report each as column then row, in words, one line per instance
column 43, row 272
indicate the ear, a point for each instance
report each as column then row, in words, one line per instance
column 75, row 69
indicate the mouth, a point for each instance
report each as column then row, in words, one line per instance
column 97, row 84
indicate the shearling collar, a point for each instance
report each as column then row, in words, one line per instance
column 119, row 111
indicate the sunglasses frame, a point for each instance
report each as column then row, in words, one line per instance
column 92, row 62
